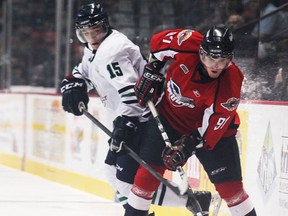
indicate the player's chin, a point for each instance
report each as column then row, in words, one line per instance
column 214, row 73
column 95, row 45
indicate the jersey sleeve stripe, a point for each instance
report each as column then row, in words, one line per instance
column 131, row 102
column 126, row 88
column 128, row 95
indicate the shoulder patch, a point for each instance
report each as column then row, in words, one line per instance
column 231, row 104
column 183, row 35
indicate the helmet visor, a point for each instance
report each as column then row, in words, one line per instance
column 98, row 31
column 214, row 63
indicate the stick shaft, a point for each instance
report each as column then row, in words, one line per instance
column 168, row 144
column 135, row 156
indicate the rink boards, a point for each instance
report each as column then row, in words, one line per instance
column 37, row 136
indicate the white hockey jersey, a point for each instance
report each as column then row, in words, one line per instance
column 114, row 70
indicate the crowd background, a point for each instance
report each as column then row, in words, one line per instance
column 38, row 45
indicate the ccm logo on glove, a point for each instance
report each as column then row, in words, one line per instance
column 71, row 85
column 151, row 76
column 74, row 92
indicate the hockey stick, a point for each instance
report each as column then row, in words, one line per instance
column 184, row 184
column 135, row 156
column 217, row 201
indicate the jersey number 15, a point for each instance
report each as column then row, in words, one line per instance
column 114, row 70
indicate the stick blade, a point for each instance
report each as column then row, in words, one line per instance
column 184, row 185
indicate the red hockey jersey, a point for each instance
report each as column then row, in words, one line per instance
column 190, row 102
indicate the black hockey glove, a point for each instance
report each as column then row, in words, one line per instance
column 149, row 85
column 124, row 130
column 179, row 153
column 74, row 91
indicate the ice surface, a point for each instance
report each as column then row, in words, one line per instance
column 30, row 195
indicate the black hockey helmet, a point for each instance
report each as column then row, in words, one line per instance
column 91, row 14
column 218, row 42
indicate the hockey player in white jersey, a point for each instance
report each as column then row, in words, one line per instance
column 112, row 64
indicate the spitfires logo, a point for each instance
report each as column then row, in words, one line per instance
column 176, row 97
column 183, row 35
column 231, row 104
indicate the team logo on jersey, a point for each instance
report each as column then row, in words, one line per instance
column 183, row 35
column 176, row 97
column 231, row 104
column 104, row 99
column 184, row 68
column 91, row 58
column 196, row 93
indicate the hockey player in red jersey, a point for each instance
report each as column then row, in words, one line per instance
column 198, row 106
